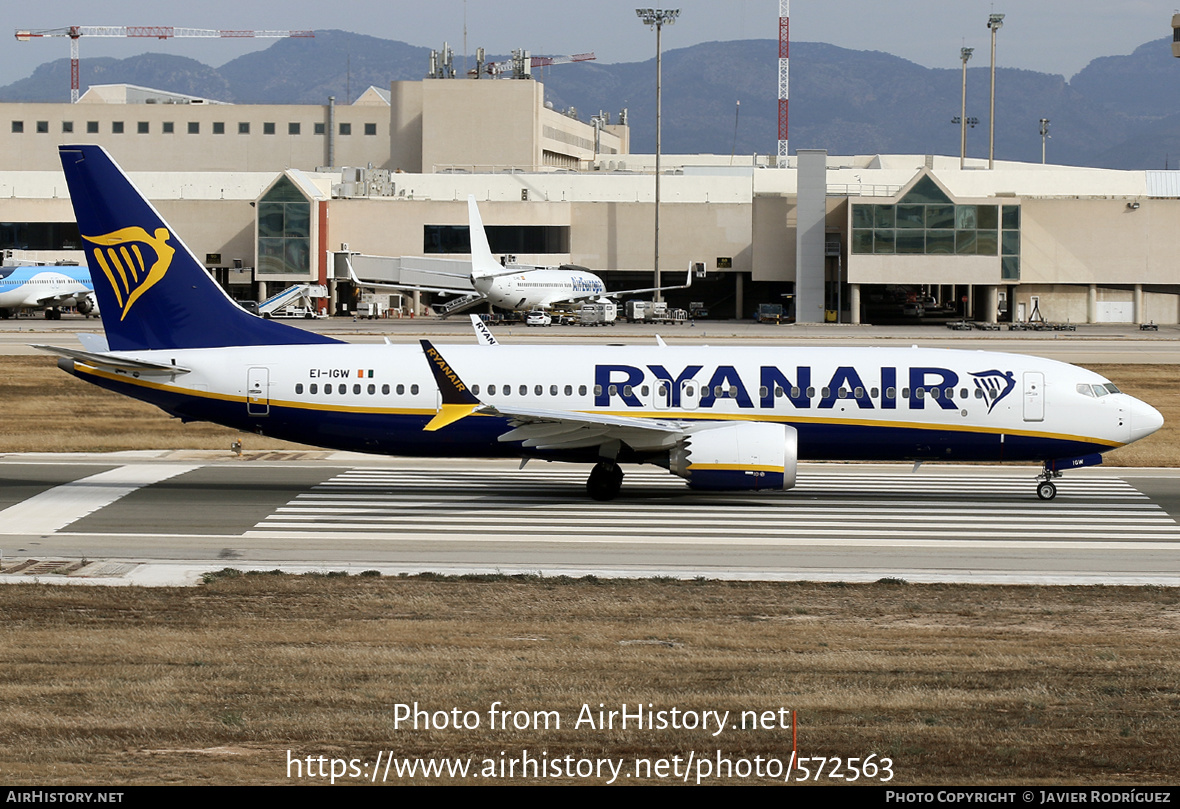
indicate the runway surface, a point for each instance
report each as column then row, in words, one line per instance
column 166, row 517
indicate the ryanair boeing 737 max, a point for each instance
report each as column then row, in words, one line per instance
column 726, row 417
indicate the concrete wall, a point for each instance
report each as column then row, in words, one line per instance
column 156, row 150
column 1099, row 241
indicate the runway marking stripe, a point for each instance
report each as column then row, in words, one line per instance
column 427, row 512
column 950, row 542
column 701, row 526
column 826, row 508
column 56, row 508
column 783, row 501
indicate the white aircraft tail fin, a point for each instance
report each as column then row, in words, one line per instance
column 483, row 263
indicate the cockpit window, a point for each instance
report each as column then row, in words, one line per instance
column 1111, row 388
column 1085, row 390
column 1100, row 390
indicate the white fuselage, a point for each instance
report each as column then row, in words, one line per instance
column 539, row 289
column 850, row 403
column 38, row 287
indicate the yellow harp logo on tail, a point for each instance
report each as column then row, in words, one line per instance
column 130, row 268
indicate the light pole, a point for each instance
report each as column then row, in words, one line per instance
column 994, row 23
column 1044, row 136
column 657, row 18
column 964, row 54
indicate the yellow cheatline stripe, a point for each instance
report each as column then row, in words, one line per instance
column 683, row 415
column 733, row 467
column 697, row 415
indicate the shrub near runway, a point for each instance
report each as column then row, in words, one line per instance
column 955, row 684
column 47, row 410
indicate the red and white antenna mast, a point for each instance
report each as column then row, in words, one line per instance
column 784, row 47
column 76, row 32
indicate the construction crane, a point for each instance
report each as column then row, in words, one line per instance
column 76, row 32
column 517, row 63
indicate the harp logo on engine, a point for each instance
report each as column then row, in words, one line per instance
column 133, row 261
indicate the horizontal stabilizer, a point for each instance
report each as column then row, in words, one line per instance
column 113, row 361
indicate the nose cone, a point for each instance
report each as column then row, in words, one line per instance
column 1145, row 419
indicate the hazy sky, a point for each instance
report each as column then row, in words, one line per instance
column 1053, row 36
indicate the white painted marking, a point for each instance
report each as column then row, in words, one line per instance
column 825, row 510
column 56, row 508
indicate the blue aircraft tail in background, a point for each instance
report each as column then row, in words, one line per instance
column 152, row 291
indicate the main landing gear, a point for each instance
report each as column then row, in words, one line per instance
column 605, row 481
column 1045, row 488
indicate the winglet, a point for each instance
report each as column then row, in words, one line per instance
column 457, row 400
column 482, row 332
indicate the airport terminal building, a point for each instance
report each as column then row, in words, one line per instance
column 265, row 194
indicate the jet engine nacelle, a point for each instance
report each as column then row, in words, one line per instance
column 88, row 305
column 745, row 455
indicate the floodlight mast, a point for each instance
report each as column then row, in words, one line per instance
column 965, row 55
column 994, row 23
column 657, row 18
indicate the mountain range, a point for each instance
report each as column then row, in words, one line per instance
column 1118, row 112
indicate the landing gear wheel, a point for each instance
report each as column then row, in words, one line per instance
column 605, row 481
column 1046, row 490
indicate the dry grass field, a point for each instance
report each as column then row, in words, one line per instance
column 46, row 410
column 956, row 685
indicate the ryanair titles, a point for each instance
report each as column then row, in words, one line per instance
column 918, row 385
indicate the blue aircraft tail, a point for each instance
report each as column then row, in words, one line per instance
column 152, row 291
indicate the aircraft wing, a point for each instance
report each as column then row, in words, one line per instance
column 568, row 429
column 52, row 298
column 619, row 293
column 114, row 362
